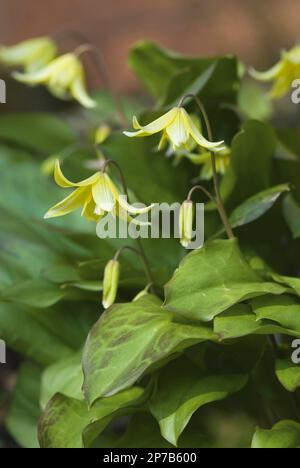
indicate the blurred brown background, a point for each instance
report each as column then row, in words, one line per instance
column 252, row 29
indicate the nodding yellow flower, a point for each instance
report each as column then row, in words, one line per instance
column 32, row 54
column 186, row 223
column 110, row 283
column 177, row 127
column 64, row 78
column 282, row 73
column 97, row 196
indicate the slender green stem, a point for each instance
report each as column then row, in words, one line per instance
column 138, row 240
column 142, row 256
column 218, row 197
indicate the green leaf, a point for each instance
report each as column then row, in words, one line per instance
column 293, row 283
column 40, row 132
column 284, row 310
column 291, row 213
column 24, row 412
column 288, row 374
column 34, row 293
column 181, row 390
column 168, row 75
column 143, row 333
column 212, row 279
column 25, row 334
column 254, row 102
column 239, row 321
column 250, row 168
column 257, row 205
column 68, row 423
column 285, row 434
column 64, row 377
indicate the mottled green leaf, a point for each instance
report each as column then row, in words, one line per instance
column 143, row 333
column 68, row 423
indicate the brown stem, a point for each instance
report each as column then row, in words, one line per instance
column 142, row 256
column 218, row 197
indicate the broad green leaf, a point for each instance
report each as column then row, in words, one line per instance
column 34, row 293
column 68, row 423
column 239, row 321
column 24, row 411
column 291, row 212
column 285, row 434
column 256, row 206
column 64, row 377
column 143, row 333
column 25, row 334
column 168, row 75
column 250, row 168
column 288, row 374
column 212, row 279
column 44, row 133
column 181, row 390
column 284, row 310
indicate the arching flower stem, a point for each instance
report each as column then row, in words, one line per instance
column 218, row 197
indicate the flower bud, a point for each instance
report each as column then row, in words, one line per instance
column 186, row 223
column 110, row 283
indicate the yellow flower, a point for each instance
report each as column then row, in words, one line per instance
column 177, row 127
column 97, row 196
column 32, row 54
column 110, row 283
column 186, row 223
column 64, row 77
column 283, row 73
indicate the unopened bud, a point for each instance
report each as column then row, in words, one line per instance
column 186, row 223
column 110, row 283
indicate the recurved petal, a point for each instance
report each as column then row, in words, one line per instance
column 156, row 126
column 195, row 133
column 63, row 182
column 79, row 92
column 37, row 77
column 122, row 201
column 267, row 75
column 69, row 204
column 102, row 194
